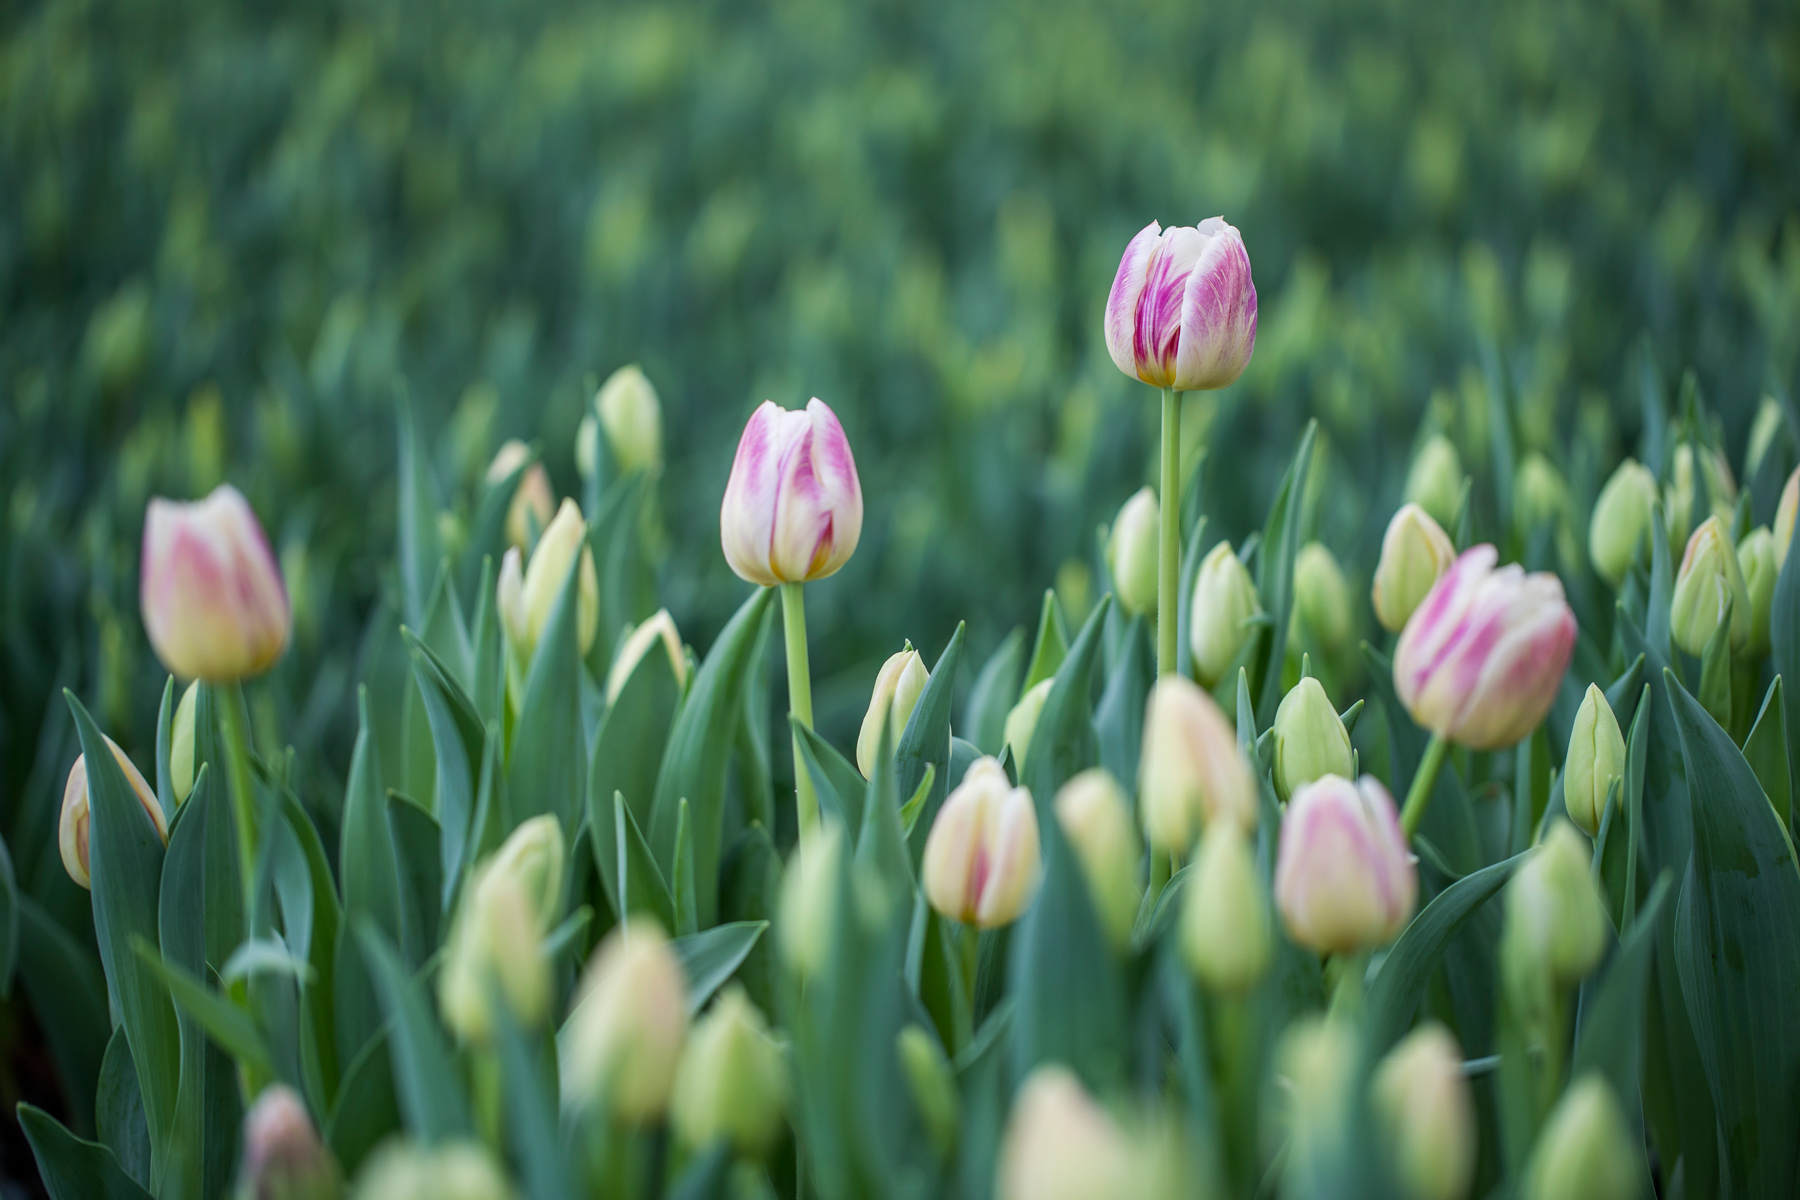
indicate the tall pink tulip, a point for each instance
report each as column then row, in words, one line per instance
column 1344, row 878
column 793, row 508
column 211, row 593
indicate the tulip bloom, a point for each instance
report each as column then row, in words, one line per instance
column 793, row 508
column 1061, row 1145
column 625, row 1036
column 1620, row 527
column 1427, row 1114
column 72, row 827
column 1710, row 578
column 1344, row 878
column 1224, row 603
column 1131, row 553
column 1182, row 313
column 1193, row 770
column 982, row 859
column 898, row 686
column 1415, row 553
column 211, row 593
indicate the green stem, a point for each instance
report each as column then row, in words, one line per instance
column 1419, row 795
column 484, row 1068
column 1168, row 561
column 243, row 793
column 793, row 621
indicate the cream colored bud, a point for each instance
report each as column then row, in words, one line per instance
column 638, row 643
column 1710, row 581
column 1556, row 921
column 898, row 686
column 495, row 948
column 181, row 744
column 1678, row 496
column 1310, row 738
column 1415, row 551
column 526, row 602
column 1585, row 1151
column 1022, row 721
column 1540, row 494
column 809, row 901
column 1096, row 818
column 982, row 861
column 73, row 826
column 1435, row 479
column 400, row 1170
column 631, row 415
column 1061, row 1145
column 1427, row 1114
column 1132, row 552
column 625, row 1036
column 1225, row 913
column 732, row 1080
column 1596, row 758
column 1321, row 597
column 1192, row 770
column 533, row 503
column 533, row 854
column 1224, row 604
column 1784, row 517
column 1756, row 559
column 1620, row 528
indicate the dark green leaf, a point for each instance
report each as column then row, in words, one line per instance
column 839, row 784
column 366, row 847
column 1767, row 753
column 996, row 690
column 530, row 1108
column 227, row 1024
column 1119, row 719
column 418, row 873
column 1063, row 743
column 417, row 527
column 628, row 748
column 881, row 848
column 625, row 863
column 681, row 885
column 457, row 738
column 924, row 745
column 165, row 744
column 366, row 1109
column 119, row 1111
column 67, row 993
column 9, row 920
column 1049, row 648
column 71, row 1168
column 1611, row 1037
column 546, row 768
column 710, row 957
column 1275, row 572
column 431, row 1096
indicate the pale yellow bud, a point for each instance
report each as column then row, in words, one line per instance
column 659, row 628
column 1427, row 1114
column 1585, row 1151
column 1321, row 596
column 1620, row 528
column 1435, row 480
column 732, row 1081
column 1096, row 818
column 898, row 686
column 1756, row 559
column 1022, row 721
column 1310, row 738
column 181, row 744
column 1224, row 603
column 631, row 415
column 1132, row 552
column 1224, row 914
column 1414, row 552
column 1710, row 580
column 1192, row 770
column 73, row 826
column 624, row 1038
column 1596, row 758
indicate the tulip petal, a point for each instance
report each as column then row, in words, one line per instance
column 1218, row 312
column 211, row 594
column 1127, row 291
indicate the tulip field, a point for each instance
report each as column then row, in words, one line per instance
column 994, row 601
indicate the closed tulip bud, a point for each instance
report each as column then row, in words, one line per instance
column 1317, row 1056
column 793, row 507
column 1321, row 597
column 1556, row 921
column 631, row 415
column 533, row 854
column 933, row 1087
column 1756, row 559
column 211, row 593
column 1224, row 602
column 72, row 828
column 1427, row 1114
column 1784, row 517
column 1344, row 878
column 625, row 1036
column 587, row 446
column 1710, row 581
column 1061, row 1145
column 1596, row 758
column 1192, row 771
column 1182, row 312
column 181, row 744
column 1762, row 434
column 1481, row 660
column 809, row 902
column 732, row 1081
column 1678, row 496
column 1620, row 528
column 1132, row 551
column 1586, row 1151
column 1096, row 818
column 533, row 503
column 283, row 1156
column 446, row 1171
column 1224, row 917
column 1540, row 495
column 982, row 859
column 1435, row 480
column 898, row 686
column 1310, row 738
column 526, row 599
column 495, row 948
column 639, row 642
column 1022, row 721
column 1415, row 552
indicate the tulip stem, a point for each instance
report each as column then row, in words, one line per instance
column 1168, row 561
column 793, row 618
column 1419, row 794
column 243, row 793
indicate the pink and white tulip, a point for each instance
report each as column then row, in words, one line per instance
column 1344, row 879
column 982, row 860
column 1182, row 313
column 793, row 509
column 211, row 592
column 1480, row 660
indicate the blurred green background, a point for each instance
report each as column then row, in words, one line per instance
column 231, row 232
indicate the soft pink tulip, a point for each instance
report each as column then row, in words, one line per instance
column 793, row 508
column 982, row 860
column 1182, row 312
column 211, row 593
column 1344, row 879
column 1481, row 658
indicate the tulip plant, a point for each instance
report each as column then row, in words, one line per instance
column 1061, row 930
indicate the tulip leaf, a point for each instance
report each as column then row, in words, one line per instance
column 445, row 631
column 913, row 809
column 629, row 874
column 625, row 585
column 1658, row 611
column 1190, row 571
column 320, row 899
column 165, row 752
column 1181, row 998
column 1049, row 648
column 1611, row 1037
column 119, row 1110
column 924, row 745
column 881, row 847
column 1275, row 582
column 1767, row 753
column 365, row 847
column 74, row 1169
column 418, row 875
column 1784, row 639
column 1715, row 669
column 417, row 528
column 425, row 1081
column 366, row 1109
column 996, row 689
column 1119, row 719
column 548, row 761
column 9, row 921
column 234, row 1029
column 835, row 778
column 628, row 747
column 1737, row 949
column 681, row 884
column 706, row 1175
column 530, row 1109
column 486, row 538
column 487, row 664
column 1063, row 743
column 712, row 956
column 63, row 985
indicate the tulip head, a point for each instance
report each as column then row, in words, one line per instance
column 639, row 642
column 1585, row 1151
column 1480, row 660
column 1427, row 1114
column 1310, row 738
column 1224, row 915
column 1321, row 597
column 1435, row 479
column 533, row 854
column 1192, row 770
column 1061, row 1145
column 72, row 831
column 1540, row 494
column 460, row 1170
column 1596, row 758
column 732, row 1080
column 1784, row 517
column 1620, row 528
column 213, row 602
column 533, row 503
column 1556, row 922
column 1709, row 582
column 793, row 508
column 1132, row 552
column 283, row 1156
column 1096, row 818
column 495, row 948
column 982, row 859
column 809, row 901
column 898, row 686
column 1678, row 496
column 1182, row 313
column 1224, row 602
column 1756, row 559
column 1344, row 877
column 1021, row 722
column 181, row 743
column 626, row 1033
column 526, row 599
column 631, row 417
column 1415, row 552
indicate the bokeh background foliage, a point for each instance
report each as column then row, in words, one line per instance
column 230, row 234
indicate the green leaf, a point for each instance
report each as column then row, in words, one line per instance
column 710, row 957
column 1715, row 667
column 628, row 748
column 444, row 631
column 1275, row 571
column 996, row 690
column 628, row 871
column 119, row 1111
column 1657, row 612
column 924, row 747
column 366, row 1109
column 1784, row 638
column 165, row 742
column 487, row 680
column 530, row 1108
column 1049, row 648
column 913, row 809
column 417, row 526
column 881, row 849
column 67, row 993
column 418, row 873
column 681, row 886
column 73, row 1169
column 425, row 1081
column 1119, row 719
column 1611, row 1037
column 224, row 1022
column 1063, row 743
column 839, row 784
column 457, row 739
column 625, row 584
column 1191, row 559
column 1767, row 753
column 365, row 846
column 9, row 921
column 547, row 766
column 487, row 529
column 706, row 1175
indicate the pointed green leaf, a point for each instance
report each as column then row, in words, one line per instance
column 924, row 746
column 165, row 746
column 628, row 870
column 119, row 1111
column 1611, row 1038
column 547, row 768
column 431, row 1097
column 1063, row 743
column 682, row 885
column 881, row 849
column 1119, row 719
column 1275, row 572
column 1049, row 648
column 996, row 690
column 366, row 1109
column 530, row 1108
column 628, row 749
column 839, row 784
column 73, row 1169
column 417, row 526
column 1767, row 753
column 487, row 677
column 457, row 739
column 365, row 847
column 224, row 1022
column 710, row 957
column 62, row 983
column 418, row 874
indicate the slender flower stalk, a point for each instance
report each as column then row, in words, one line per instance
column 793, row 628
column 1168, row 561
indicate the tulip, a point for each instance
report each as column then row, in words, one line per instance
column 72, row 828
column 1556, row 922
column 1435, row 480
column 283, row 1156
column 1596, row 758
column 495, row 946
column 1344, row 878
column 533, row 503
column 982, row 859
column 1316, row 1060
column 1756, row 559
column 898, row 686
column 732, row 1080
column 1415, row 552
column 1096, row 818
column 1620, row 528
column 533, row 854
column 1784, row 517
column 1131, row 553
column 793, row 507
column 1060, row 1145
column 1585, row 1151
column 1224, row 918
column 1224, row 603
column 587, row 446
column 624, row 1038
column 1022, row 721
column 1427, row 1114
column 1709, row 580
column 211, row 593
column 1540, row 495
column 181, row 743
column 1678, row 496
column 1321, row 597
column 809, row 902
column 1192, row 768
column 526, row 598
column 444, row 1171
column 631, row 416
column 1310, row 738
column 638, row 643
column 1182, row 313
column 1480, row 661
